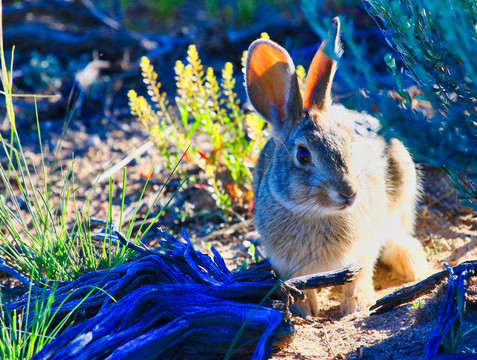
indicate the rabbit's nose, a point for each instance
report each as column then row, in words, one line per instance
column 348, row 198
column 347, row 195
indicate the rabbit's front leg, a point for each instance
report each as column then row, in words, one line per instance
column 309, row 307
column 358, row 294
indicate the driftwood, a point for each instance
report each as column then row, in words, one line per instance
column 42, row 38
column 412, row 292
column 455, row 357
column 450, row 316
column 77, row 11
column 444, row 337
column 178, row 303
column 329, row 278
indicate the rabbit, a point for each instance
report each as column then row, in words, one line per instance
column 328, row 191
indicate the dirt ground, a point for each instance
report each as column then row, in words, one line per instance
column 447, row 230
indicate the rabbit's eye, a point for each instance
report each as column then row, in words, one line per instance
column 303, row 155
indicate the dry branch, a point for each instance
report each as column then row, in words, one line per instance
column 66, row 30
column 59, row 10
column 42, row 37
column 412, row 292
column 325, row 279
column 124, row 162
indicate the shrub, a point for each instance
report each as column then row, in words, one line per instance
column 437, row 43
column 431, row 103
column 211, row 108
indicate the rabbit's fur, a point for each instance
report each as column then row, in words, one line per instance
column 328, row 191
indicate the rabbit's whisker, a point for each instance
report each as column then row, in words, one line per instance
column 284, row 145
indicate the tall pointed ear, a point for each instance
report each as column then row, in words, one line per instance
column 322, row 70
column 271, row 83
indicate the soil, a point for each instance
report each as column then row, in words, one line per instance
column 447, row 230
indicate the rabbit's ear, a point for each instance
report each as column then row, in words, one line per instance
column 322, row 69
column 271, row 83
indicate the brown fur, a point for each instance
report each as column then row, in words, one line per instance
column 354, row 198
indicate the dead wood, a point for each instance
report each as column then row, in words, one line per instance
column 175, row 301
column 325, row 279
column 69, row 30
column 412, row 292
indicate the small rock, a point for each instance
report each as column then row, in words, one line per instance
column 93, row 140
column 252, row 236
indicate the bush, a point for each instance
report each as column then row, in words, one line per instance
column 431, row 103
column 205, row 107
column 437, row 43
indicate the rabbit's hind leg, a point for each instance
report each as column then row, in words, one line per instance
column 405, row 255
column 402, row 252
column 402, row 184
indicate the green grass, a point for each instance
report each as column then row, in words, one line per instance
column 24, row 334
column 43, row 242
column 41, row 239
column 33, row 237
column 47, row 236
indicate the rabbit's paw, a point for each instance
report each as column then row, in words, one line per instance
column 309, row 307
column 356, row 297
column 409, row 261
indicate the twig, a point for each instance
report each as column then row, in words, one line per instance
column 410, row 293
column 12, row 272
column 229, row 230
column 44, row 38
column 328, row 342
column 325, row 279
column 118, row 11
column 115, row 25
column 100, row 16
column 60, row 10
column 120, row 239
column 16, row 291
column 467, row 356
column 137, row 152
column 141, row 249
